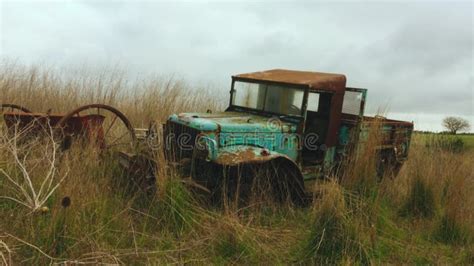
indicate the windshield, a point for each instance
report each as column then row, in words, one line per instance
column 278, row 99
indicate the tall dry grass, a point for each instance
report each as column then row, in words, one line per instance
column 362, row 215
column 94, row 217
column 144, row 99
column 438, row 183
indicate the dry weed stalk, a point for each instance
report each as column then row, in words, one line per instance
column 5, row 254
column 28, row 159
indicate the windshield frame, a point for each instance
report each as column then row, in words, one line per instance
column 288, row 86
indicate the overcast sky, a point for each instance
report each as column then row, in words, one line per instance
column 416, row 59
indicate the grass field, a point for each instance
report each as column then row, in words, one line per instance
column 467, row 139
column 424, row 216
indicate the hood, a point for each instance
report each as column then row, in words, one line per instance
column 233, row 122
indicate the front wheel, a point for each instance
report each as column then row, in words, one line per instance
column 274, row 182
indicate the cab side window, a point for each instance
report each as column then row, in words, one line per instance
column 313, row 102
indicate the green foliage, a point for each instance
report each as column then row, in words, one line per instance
column 61, row 242
column 446, row 143
column 469, row 256
column 450, row 231
column 331, row 238
column 333, row 235
column 420, row 201
column 230, row 248
column 177, row 207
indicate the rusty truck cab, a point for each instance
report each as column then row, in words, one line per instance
column 321, row 112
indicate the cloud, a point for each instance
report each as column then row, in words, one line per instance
column 413, row 57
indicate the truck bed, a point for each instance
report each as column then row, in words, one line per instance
column 395, row 134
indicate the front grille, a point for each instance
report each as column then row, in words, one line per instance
column 179, row 141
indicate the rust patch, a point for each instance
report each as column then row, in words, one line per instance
column 246, row 155
column 314, row 80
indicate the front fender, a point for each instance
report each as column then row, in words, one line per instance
column 235, row 155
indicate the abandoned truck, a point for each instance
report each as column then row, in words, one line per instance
column 283, row 126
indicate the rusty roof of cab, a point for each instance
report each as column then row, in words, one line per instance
column 318, row 81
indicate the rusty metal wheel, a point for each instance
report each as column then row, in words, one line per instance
column 109, row 128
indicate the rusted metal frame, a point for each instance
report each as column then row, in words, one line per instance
column 305, row 102
column 269, row 82
column 326, row 81
column 390, row 122
column 362, row 108
column 360, row 117
column 32, row 121
column 232, row 90
column 300, row 129
column 265, row 97
column 335, row 114
column 334, row 118
column 393, row 135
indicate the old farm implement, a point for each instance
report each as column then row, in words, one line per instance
column 102, row 125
